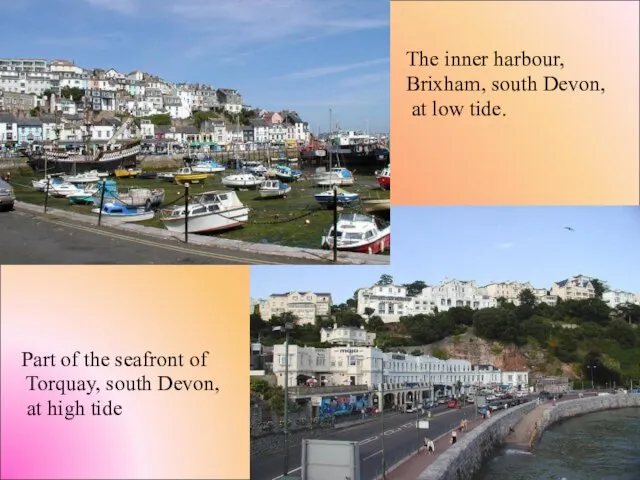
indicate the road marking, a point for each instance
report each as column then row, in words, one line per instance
column 161, row 245
column 290, row 471
column 392, row 431
column 371, row 456
column 368, row 440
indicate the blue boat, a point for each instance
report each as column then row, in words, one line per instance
column 343, row 197
column 122, row 213
column 285, row 173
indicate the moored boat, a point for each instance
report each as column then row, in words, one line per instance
column 207, row 212
column 339, row 176
column 287, row 174
column 147, row 176
column 371, row 205
column 207, row 166
column 122, row 213
column 127, row 173
column 186, row 174
column 274, row 188
column 342, row 197
column 357, row 232
column 84, row 196
column 243, row 180
column 384, row 178
column 86, row 177
column 133, row 197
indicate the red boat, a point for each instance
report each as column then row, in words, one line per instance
column 360, row 233
column 384, row 178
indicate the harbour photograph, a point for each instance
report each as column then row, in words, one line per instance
column 114, row 155
column 506, row 346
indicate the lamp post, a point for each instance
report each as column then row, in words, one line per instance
column 591, row 368
column 287, row 327
column 384, row 466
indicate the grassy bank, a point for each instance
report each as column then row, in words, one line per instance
column 295, row 221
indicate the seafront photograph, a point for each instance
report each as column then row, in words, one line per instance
column 233, row 154
column 506, row 346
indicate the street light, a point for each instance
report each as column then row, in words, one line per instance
column 287, row 327
column 591, row 368
column 384, row 467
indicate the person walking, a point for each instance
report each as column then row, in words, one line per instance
column 426, row 445
column 431, row 447
column 454, row 436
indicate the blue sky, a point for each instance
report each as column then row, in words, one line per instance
column 304, row 55
column 485, row 244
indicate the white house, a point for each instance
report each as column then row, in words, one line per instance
column 112, row 73
column 517, row 379
column 8, row 128
column 347, row 336
column 389, row 302
column 147, row 129
column 613, row 298
column 304, row 305
column 575, row 288
column 136, row 75
column 260, row 131
column 64, row 66
column 449, row 294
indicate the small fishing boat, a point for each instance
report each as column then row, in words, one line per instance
column 41, row 184
column 207, row 166
column 123, row 213
column 339, row 176
column 357, row 232
column 87, row 177
column 62, row 189
column 384, row 178
column 128, row 173
column 207, row 212
column 147, row 175
column 273, row 189
column 343, row 197
column 282, row 172
column 166, row 176
column 258, row 170
column 133, row 197
column 243, row 180
column 85, row 196
column 186, row 174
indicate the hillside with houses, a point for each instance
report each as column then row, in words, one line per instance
column 45, row 101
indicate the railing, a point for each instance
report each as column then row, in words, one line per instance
column 300, row 391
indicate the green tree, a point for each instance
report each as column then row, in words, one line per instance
column 76, row 94
column 415, row 288
column 160, row 119
column 385, row 279
column 527, row 304
column 375, row 324
column 599, row 287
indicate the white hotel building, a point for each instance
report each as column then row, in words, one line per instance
column 405, row 377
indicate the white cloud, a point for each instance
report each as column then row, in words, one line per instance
column 506, row 245
column 331, row 69
column 366, row 79
column 230, row 25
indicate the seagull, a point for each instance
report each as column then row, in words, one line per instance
column 569, row 228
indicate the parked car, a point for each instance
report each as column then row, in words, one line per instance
column 7, row 196
column 453, row 403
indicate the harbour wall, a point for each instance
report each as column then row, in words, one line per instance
column 464, row 459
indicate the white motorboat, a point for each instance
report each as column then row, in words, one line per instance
column 274, row 188
column 243, row 180
column 207, row 212
column 63, row 189
column 86, row 177
column 342, row 197
column 359, row 233
column 122, row 213
column 339, row 176
column 207, row 166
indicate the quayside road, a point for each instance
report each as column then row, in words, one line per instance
column 32, row 239
column 401, row 436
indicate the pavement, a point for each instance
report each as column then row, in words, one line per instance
column 401, row 438
column 31, row 237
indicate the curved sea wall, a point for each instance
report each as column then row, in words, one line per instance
column 462, row 460
column 582, row 406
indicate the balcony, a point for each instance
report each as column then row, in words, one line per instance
column 302, row 391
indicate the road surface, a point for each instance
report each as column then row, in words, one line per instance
column 401, row 436
column 30, row 239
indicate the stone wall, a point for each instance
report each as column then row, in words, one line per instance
column 464, row 459
column 582, row 406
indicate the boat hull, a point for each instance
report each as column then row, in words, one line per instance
column 69, row 166
column 379, row 245
column 124, row 218
column 208, row 169
column 274, row 193
column 371, row 206
column 197, row 178
column 384, row 182
column 342, row 200
column 241, row 183
column 210, row 222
